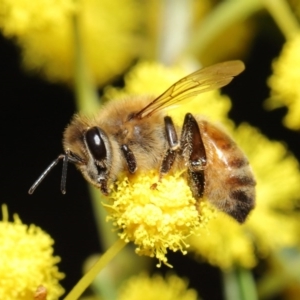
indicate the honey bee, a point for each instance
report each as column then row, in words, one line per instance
column 135, row 135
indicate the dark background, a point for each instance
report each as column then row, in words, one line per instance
column 34, row 114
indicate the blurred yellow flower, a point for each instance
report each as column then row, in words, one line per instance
column 45, row 32
column 156, row 287
column 223, row 243
column 284, row 83
column 272, row 224
column 26, row 261
column 155, row 219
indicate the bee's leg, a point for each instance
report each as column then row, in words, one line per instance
column 171, row 153
column 174, row 144
column 193, row 151
column 130, row 158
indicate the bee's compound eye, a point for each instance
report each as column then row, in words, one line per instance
column 95, row 143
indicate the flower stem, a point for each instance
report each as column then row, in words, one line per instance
column 88, row 278
column 174, row 14
column 88, row 103
column 283, row 16
column 106, row 235
column 86, row 94
column 223, row 16
column 239, row 284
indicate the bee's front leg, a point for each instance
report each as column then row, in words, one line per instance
column 194, row 153
column 130, row 158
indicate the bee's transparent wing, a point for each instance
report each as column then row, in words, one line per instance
column 203, row 80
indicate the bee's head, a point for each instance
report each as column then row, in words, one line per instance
column 97, row 152
column 89, row 149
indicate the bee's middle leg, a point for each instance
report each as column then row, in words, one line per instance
column 172, row 151
column 173, row 144
column 194, row 153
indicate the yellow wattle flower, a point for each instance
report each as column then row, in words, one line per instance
column 27, row 261
column 156, row 220
column 156, row 287
column 284, row 83
column 45, row 32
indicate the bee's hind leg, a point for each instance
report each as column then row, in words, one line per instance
column 194, row 154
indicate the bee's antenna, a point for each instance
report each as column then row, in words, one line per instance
column 46, row 172
column 64, row 173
